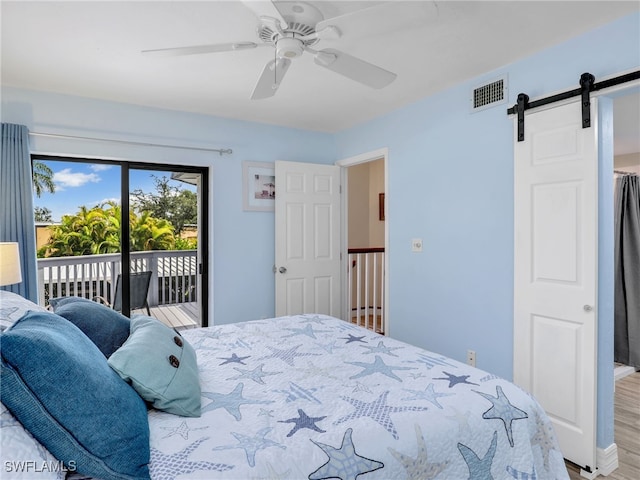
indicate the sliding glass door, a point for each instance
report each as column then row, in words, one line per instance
column 84, row 211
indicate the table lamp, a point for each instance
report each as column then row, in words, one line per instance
column 10, row 271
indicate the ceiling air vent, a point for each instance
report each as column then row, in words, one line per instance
column 489, row 95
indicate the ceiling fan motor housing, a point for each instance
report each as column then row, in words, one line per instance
column 289, row 47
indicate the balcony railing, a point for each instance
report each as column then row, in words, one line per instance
column 174, row 277
column 366, row 287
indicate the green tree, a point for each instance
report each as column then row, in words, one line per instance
column 178, row 206
column 42, row 178
column 96, row 230
column 42, row 214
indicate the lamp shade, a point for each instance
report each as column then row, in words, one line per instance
column 10, row 271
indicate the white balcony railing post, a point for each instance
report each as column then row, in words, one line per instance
column 91, row 275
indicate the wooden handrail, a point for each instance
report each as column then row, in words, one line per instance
column 366, row 250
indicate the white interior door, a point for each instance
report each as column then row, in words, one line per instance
column 555, row 277
column 307, row 216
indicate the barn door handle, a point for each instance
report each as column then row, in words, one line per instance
column 282, row 269
column 587, row 308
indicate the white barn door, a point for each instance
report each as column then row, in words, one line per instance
column 555, row 277
column 307, row 217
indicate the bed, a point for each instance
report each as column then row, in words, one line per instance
column 314, row 397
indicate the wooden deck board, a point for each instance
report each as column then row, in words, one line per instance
column 178, row 315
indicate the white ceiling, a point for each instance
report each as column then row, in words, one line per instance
column 92, row 49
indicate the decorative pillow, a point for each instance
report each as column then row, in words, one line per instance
column 18, row 448
column 58, row 384
column 105, row 327
column 161, row 366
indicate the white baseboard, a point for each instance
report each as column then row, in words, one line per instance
column 622, row 371
column 607, row 459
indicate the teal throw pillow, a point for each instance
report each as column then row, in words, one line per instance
column 161, row 366
column 59, row 386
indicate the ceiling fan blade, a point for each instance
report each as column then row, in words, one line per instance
column 382, row 18
column 270, row 78
column 354, row 68
column 266, row 8
column 198, row 49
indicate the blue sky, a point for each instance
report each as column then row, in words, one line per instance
column 90, row 184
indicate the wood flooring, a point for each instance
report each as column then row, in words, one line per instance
column 626, row 433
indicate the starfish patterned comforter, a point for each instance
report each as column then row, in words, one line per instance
column 314, row 397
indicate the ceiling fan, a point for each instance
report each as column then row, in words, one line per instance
column 292, row 29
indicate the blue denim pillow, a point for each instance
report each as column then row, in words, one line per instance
column 105, row 327
column 58, row 384
column 161, row 366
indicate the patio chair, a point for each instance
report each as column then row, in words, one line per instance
column 139, row 288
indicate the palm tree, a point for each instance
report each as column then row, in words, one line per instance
column 96, row 230
column 42, row 178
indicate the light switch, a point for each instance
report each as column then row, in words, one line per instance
column 416, row 245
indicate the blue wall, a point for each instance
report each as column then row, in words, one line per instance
column 243, row 251
column 450, row 182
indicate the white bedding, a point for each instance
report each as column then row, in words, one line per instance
column 314, row 397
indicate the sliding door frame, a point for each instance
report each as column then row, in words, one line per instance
column 125, row 247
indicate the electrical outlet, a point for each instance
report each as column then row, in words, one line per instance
column 471, row 358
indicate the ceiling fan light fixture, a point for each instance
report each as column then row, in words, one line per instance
column 289, row 48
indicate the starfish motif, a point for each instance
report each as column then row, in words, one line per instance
column 269, row 473
column 171, row 465
column 353, row 338
column 503, row 410
column 378, row 366
column 183, row 430
column 288, row 356
column 296, row 392
column 231, row 402
column 265, row 413
column 456, row 379
column 419, row 468
column 6, row 312
column 361, row 387
column 312, row 370
column 256, row 374
column 378, row 411
column 428, row 394
column 233, row 359
column 416, row 375
column 303, row 421
column 381, row 348
column 313, row 319
column 430, row 361
column 521, row 475
column 307, row 330
column 479, row 468
column 329, row 347
column 462, row 419
column 344, row 462
column 251, row 445
column 544, row 438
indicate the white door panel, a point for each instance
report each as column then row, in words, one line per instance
column 307, row 216
column 555, row 272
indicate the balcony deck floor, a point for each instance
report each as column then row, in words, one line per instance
column 177, row 315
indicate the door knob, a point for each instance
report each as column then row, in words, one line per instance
column 587, row 308
column 282, row 270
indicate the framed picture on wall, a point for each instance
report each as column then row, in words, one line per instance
column 381, row 207
column 258, row 186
